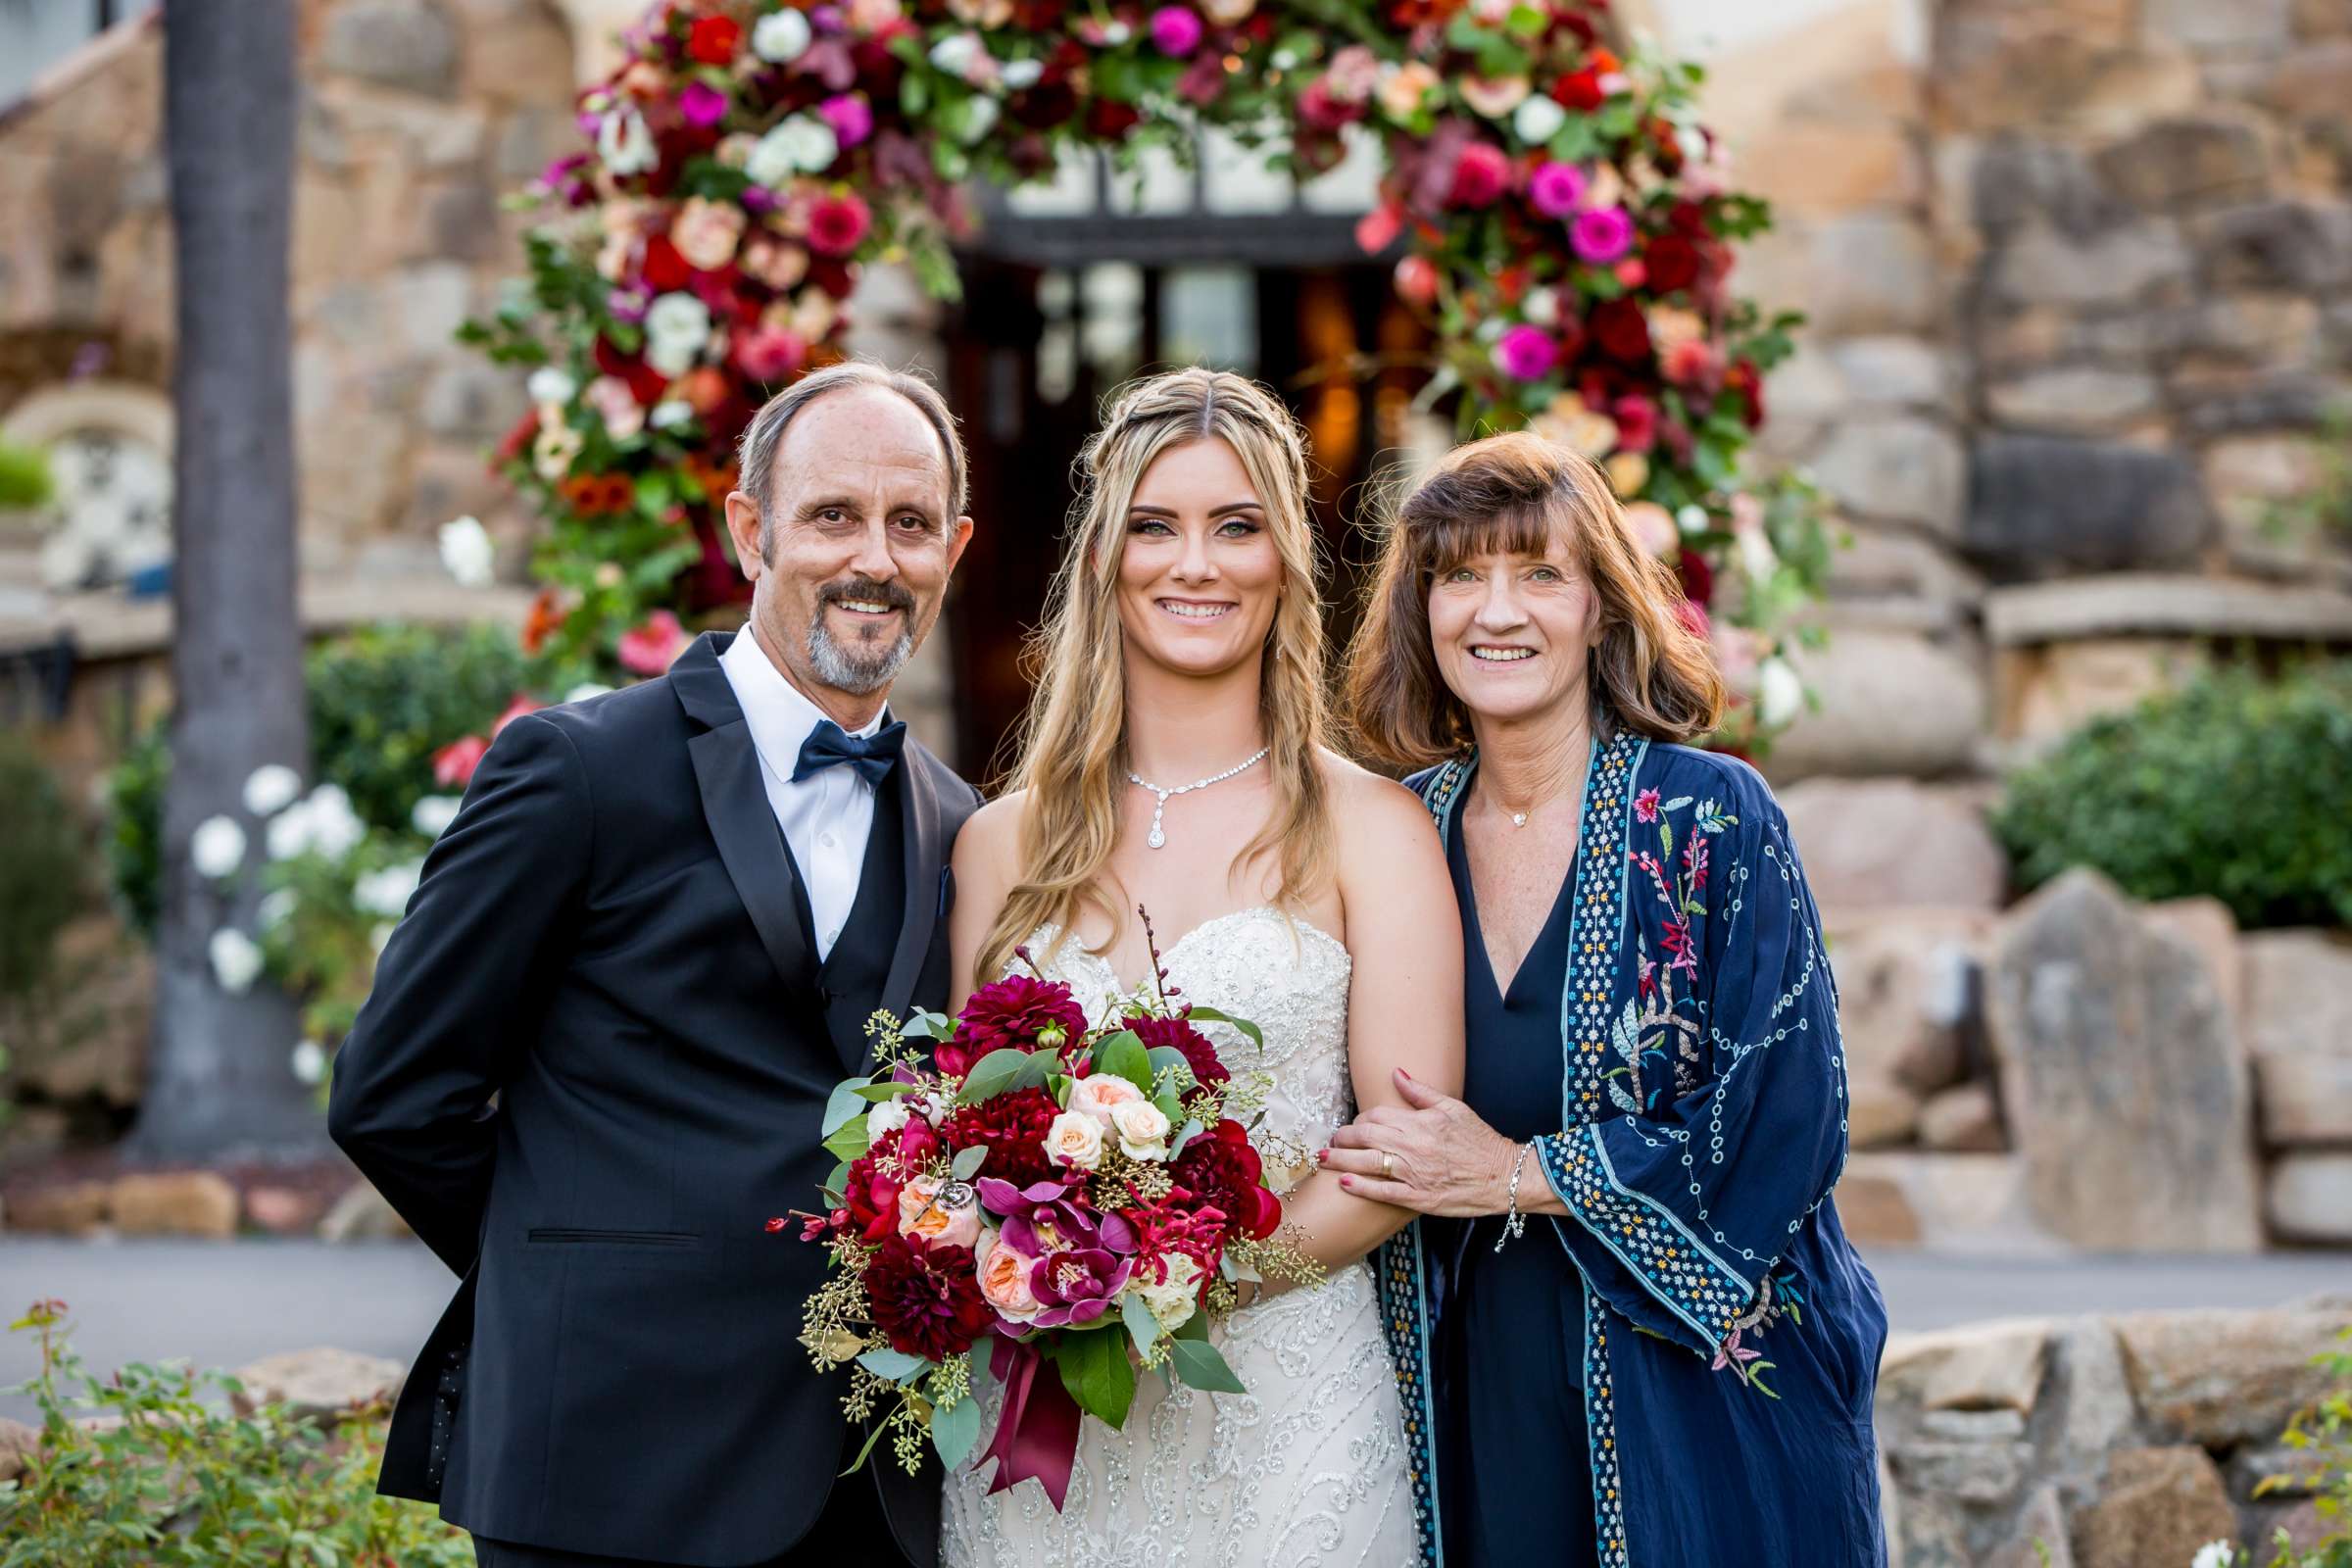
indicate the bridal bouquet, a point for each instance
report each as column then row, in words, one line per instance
column 1056, row 1206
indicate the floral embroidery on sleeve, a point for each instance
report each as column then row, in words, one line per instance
column 1658, row 1029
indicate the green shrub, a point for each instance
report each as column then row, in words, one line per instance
column 2233, row 786
column 180, row 1482
column 40, row 871
column 25, row 478
column 383, row 700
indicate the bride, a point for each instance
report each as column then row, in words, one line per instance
column 1173, row 759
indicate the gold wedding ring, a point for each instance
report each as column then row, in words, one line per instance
column 1387, row 1166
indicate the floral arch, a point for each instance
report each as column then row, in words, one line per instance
column 1560, row 219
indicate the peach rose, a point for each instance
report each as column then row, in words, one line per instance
column 1004, row 1279
column 942, row 1213
column 1098, row 1096
column 1401, row 92
column 1075, row 1140
column 707, row 232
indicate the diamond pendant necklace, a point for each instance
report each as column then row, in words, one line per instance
column 1160, row 803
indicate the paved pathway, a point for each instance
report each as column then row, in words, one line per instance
column 226, row 1305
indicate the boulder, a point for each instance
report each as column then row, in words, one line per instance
column 1879, row 1115
column 2076, row 399
column 2121, row 1077
column 1963, row 1119
column 2042, row 504
column 2207, row 925
column 72, row 1208
column 17, row 1439
column 186, row 1202
column 2218, row 1378
column 2310, row 1195
column 1984, row 1366
column 1948, row 1203
column 361, row 1215
column 399, row 43
column 320, row 1384
column 2039, row 1539
column 2158, row 1505
column 2201, row 24
column 2122, row 265
column 1891, row 703
column 2189, row 161
column 2046, row 691
column 1896, row 468
column 2097, row 1411
column 2305, row 247
column 1871, row 842
column 1980, row 1473
column 2298, row 1023
column 1906, row 992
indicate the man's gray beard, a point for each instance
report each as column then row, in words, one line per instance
column 845, row 669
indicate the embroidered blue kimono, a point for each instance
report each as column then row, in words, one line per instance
column 1730, row 1336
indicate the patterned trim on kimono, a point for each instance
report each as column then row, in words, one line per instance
column 1399, row 1279
column 1601, row 1438
column 1684, row 1276
column 1597, row 929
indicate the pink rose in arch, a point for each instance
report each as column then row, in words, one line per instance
column 1525, row 353
column 1176, row 30
column 1601, row 235
column 1479, row 177
column 1555, row 189
column 649, row 649
column 850, row 116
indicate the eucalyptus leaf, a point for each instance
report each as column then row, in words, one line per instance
column 1122, row 1056
column 1185, row 1134
column 892, row 1367
column 877, row 1093
column 843, row 1106
column 1198, row 1363
column 847, row 1143
column 968, row 1161
column 1141, row 1325
column 983, row 1351
column 992, row 1075
column 1095, row 1368
column 1256, row 1036
column 956, row 1430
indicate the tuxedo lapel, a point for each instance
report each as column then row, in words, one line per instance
column 726, row 768
column 925, row 852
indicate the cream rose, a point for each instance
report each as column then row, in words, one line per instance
column 942, row 1213
column 885, row 1119
column 1075, row 1140
column 1174, row 1300
column 1005, row 1278
column 1142, row 1129
column 1098, row 1096
column 707, row 231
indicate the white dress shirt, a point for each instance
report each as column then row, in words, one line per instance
column 827, row 816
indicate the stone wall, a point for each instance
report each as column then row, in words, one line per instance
column 2099, row 1442
column 2078, row 278
column 416, row 117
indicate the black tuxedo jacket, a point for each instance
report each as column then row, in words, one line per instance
column 609, row 940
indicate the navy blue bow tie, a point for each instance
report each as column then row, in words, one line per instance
column 872, row 756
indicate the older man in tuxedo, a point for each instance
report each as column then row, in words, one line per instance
column 602, row 1038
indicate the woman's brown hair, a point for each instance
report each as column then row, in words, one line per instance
column 1514, row 494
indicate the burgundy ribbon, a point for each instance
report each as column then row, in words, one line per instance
column 1038, row 1433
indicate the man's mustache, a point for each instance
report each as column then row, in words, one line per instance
column 893, row 594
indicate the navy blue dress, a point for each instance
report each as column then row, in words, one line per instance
column 1694, row 1113
column 1512, row 1345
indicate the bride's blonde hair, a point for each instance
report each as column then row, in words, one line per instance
column 1072, row 757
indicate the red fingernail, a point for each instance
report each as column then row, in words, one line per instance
column 1347, row 1182
column 1322, row 1154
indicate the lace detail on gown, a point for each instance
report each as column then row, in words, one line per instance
column 1306, row 1470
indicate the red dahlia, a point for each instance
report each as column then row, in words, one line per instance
column 1015, row 1012
column 926, row 1299
column 1221, row 1169
column 1012, row 1128
column 1180, row 1034
column 713, row 40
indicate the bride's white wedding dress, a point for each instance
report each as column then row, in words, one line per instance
column 1307, row 1469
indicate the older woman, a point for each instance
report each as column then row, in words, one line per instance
column 1673, row 1363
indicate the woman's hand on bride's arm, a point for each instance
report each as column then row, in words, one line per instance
column 1435, row 1157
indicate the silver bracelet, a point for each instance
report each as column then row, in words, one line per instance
column 1514, row 1223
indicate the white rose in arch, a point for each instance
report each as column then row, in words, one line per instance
column 676, row 326
column 289, row 832
column 433, row 815
column 625, row 145
column 236, row 959
column 1538, row 119
column 671, row 413
column 216, row 848
column 275, row 910
column 781, row 37
column 1780, row 692
column 310, row 1062
column 549, row 384
column 466, row 551
column 271, row 788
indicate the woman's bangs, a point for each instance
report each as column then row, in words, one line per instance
column 1443, row 541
